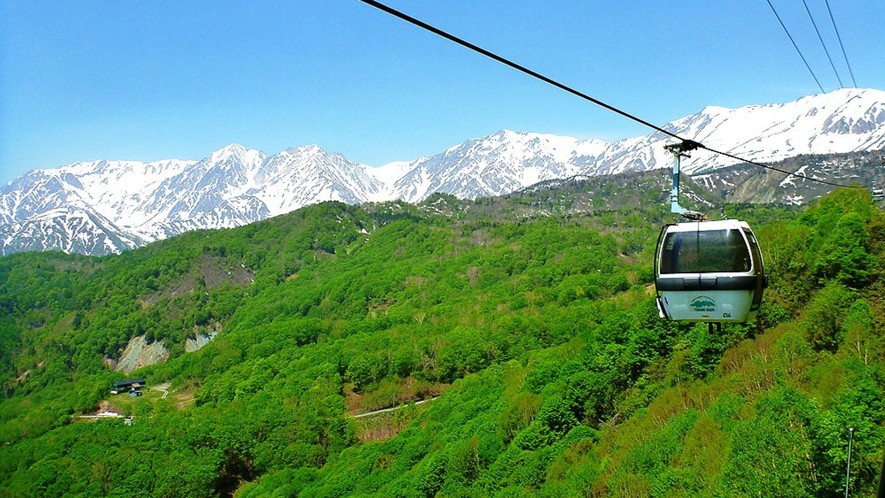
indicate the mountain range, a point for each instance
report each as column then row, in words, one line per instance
column 103, row 207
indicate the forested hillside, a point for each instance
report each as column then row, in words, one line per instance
column 525, row 323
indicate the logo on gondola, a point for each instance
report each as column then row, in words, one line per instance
column 702, row 304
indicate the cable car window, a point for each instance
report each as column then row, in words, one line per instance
column 754, row 247
column 705, row 251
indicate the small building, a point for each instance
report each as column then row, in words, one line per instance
column 131, row 385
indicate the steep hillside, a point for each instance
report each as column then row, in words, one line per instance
column 752, row 184
column 525, row 323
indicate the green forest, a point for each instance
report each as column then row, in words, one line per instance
column 516, row 339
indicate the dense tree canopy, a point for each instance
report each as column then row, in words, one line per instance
column 524, row 356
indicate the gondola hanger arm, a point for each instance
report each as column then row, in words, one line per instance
column 680, row 150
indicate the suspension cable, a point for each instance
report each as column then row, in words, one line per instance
column 841, row 46
column 795, row 46
column 822, row 44
column 448, row 36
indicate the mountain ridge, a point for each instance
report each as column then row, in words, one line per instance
column 236, row 185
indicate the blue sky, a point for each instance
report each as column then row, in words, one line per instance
column 90, row 80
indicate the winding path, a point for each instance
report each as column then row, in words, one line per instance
column 385, row 410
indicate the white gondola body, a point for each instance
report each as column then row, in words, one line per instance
column 706, row 306
column 709, row 271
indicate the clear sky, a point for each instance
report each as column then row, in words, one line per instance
column 85, row 80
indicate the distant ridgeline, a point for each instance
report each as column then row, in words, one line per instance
column 105, row 207
column 524, row 324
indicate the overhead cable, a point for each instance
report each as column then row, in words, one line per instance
column 561, row 86
column 795, row 46
column 841, row 46
column 506, row 62
column 772, row 168
column 822, row 44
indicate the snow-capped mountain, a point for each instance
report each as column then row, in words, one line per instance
column 837, row 122
column 108, row 206
column 72, row 229
column 494, row 165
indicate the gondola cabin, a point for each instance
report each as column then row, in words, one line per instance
column 709, row 271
